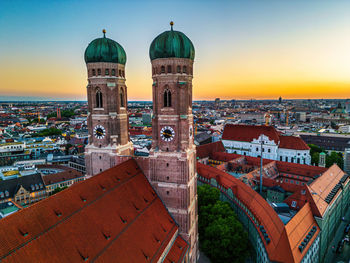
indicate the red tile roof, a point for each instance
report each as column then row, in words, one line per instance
column 293, row 142
column 206, row 150
column 300, row 169
column 323, row 185
column 295, row 232
column 246, row 133
column 66, row 175
column 113, row 215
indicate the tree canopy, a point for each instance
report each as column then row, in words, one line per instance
column 331, row 158
column 221, row 236
column 48, row 132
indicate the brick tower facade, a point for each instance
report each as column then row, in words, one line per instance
column 172, row 164
column 108, row 122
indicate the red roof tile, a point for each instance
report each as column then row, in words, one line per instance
column 293, row 142
column 247, row 133
column 66, row 175
column 206, row 150
column 115, row 214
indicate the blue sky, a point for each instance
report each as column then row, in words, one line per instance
column 234, row 40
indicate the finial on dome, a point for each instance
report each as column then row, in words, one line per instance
column 171, row 24
column 104, row 32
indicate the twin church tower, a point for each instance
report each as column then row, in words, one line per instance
column 171, row 165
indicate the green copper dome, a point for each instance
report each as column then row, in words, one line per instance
column 105, row 50
column 171, row 44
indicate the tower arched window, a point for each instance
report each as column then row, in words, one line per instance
column 113, row 72
column 93, row 72
column 184, row 69
column 122, row 100
column 167, row 98
column 99, row 72
column 178, row 69
column 99, row 101
column 162, row 69
column 169, row 69
column 107, row 72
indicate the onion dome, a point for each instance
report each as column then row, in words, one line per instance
column 171, row 44
column 105, row 50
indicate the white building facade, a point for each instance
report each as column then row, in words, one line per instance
column 264, row 140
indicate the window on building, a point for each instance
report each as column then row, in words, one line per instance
column 120, row 73
column 269, row 150
column 184, row 69
column 93, row 72
column 167, row 98
column 169, row 69
column 99, row 72
column 99, row 101
column 113, row 72
column 122, row 100
column 162, row 69
column 280, row 158
column 178, row 69
column 107, row 72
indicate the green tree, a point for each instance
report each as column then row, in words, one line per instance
column 315, row 148
column 221, row 236
column 315, row 157
column 48, row 132
column 335, row 158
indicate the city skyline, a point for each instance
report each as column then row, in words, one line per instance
column 244, row 49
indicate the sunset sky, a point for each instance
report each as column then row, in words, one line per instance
column 244, row 49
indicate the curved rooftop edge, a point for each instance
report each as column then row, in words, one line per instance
column 281, row 242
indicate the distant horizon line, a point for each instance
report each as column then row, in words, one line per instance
column 23, row 99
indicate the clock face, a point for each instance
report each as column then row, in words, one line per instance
column 167, row 133
column 99, row 132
